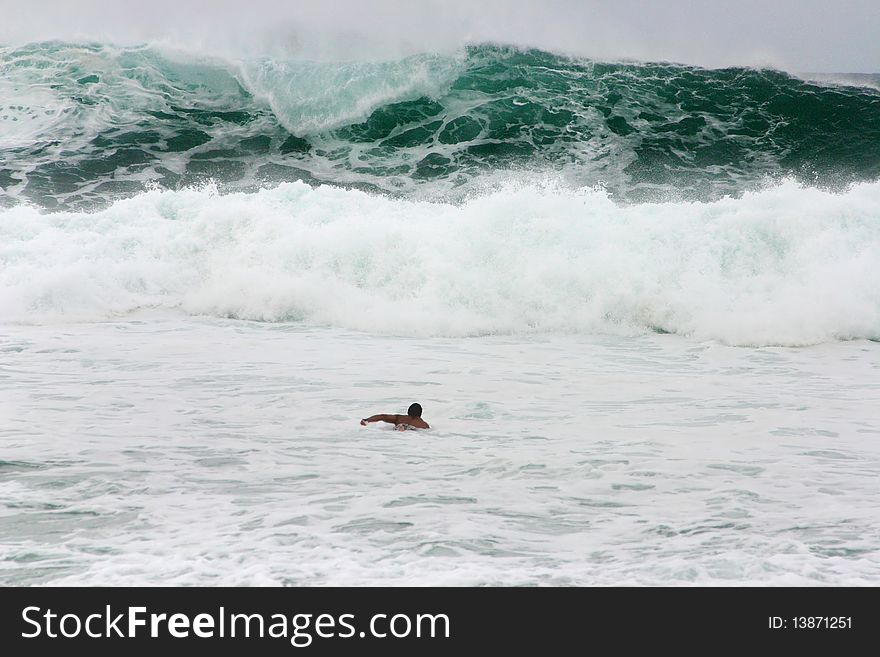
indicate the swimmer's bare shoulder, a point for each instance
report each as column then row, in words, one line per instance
column 411, row 422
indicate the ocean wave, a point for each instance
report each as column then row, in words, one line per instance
column 83, row 125
column 788, row 266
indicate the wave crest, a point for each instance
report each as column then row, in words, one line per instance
column 88, row 124
column 315, row 97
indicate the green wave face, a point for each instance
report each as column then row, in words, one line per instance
column 83, row 125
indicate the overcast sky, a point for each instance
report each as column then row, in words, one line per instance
column 797, row 35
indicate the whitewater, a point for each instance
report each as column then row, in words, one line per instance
column 637, row 301
column 787, row 266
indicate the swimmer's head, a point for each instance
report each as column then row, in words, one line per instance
column 415, row 410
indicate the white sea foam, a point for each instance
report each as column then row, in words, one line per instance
column 28, row 114
column 195, row 451
column 789, row 265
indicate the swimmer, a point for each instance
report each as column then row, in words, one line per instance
column 412, row 419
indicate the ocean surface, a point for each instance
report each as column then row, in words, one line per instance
column 637, row 301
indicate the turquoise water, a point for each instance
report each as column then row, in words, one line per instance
column 83, row 125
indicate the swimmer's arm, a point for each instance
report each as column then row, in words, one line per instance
column 391, row 419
